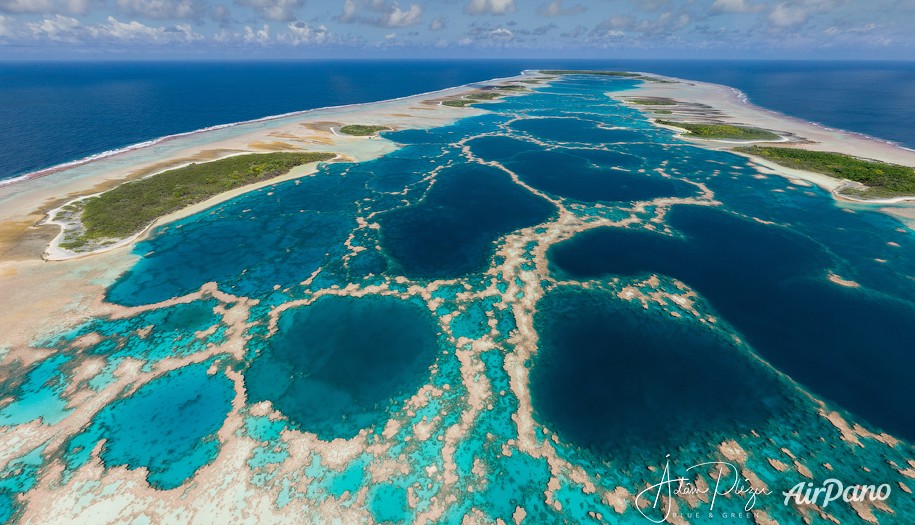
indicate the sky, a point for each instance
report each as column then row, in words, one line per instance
column 123, row 29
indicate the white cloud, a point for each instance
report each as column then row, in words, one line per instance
column 257, row 36
column 796, row 12
column 301, row 33
column 58, row 28
column 135, row 31
column 383, row 14
column 279, row 10
column 163, row 9
column 44, row 6
column 835, row 30
column 25, row 6
column 437, row 24
column 555, row 8
column 663, row 24
column 735, row 6
column 784, row 15
column 396, row 17
column 494, row 7
column 5, row 26
column 349, row 11
column 501, row 33
column 296, row 33
column 77, row 7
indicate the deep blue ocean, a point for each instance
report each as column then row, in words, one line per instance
column 51, row 113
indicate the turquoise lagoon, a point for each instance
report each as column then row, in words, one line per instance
column 680, row 299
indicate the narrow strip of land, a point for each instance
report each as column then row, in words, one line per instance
column 722, row 131
column 851, row 166
column 880, row 179
column 131, row 207
column 362, row 130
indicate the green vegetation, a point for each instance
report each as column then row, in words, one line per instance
column 361, row 130
column 130, row 207
column 656, row 101
column 477, row 96
column 486, row 95
column 514, row 88
column 620, row 74
column 457, row 102
column 663, row 112
column 882, row 179
column 590, row 72
column 722, row 131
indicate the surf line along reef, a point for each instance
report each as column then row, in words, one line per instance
column 522, row 308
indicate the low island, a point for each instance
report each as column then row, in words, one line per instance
column 722, row 131
column 655, row 101
column 128, row 209
column 478, row 96
column 362, row 130
column 880, row 179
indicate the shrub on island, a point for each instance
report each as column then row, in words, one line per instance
column 882, row 179
column 130, row 207
column 361, row 130
column 722, row 131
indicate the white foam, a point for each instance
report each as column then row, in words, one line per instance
column 153, row 142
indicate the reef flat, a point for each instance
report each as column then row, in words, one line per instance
column 532, row 310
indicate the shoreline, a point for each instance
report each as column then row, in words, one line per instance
column 28, row 204
column 724, row 104
column 73, row 289
column 216, row 127
column 55, row 253
column 715, row 102
column 745, row 99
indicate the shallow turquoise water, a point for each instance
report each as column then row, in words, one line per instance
column 334, row 366
column 168, row 426
column 615, row 382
